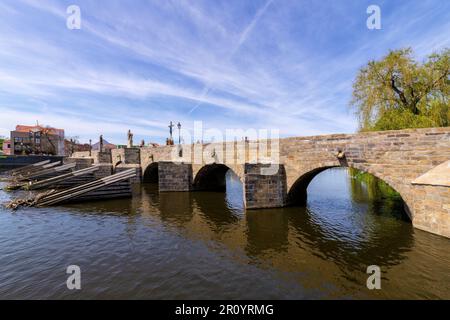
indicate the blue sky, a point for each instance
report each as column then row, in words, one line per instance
column 273, row 64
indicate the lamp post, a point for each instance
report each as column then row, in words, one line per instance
column 179, row 132
column 170, row 131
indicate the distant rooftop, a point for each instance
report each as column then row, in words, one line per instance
column 25, row 128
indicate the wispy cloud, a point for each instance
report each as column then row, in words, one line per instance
column 140, row 64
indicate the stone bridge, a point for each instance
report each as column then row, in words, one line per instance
column 414, row 162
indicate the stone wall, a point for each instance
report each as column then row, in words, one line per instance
column 174, row 176
column 82, row 154
column 81, row 163
column 132, row 156
column 150, row 155
column 117, row 156
column 97, row 156
column 264, row 191
column 126, row 156
column 431, row 207
column 105, row 169
column 102, row 157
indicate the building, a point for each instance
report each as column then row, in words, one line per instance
column 6, row 149
column 37, row 139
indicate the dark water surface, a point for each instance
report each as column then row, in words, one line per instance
column 204, row 245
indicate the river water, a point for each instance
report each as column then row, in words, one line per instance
column 204, row 245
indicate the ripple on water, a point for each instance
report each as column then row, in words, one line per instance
column 204, row 245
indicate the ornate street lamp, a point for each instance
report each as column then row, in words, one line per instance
column 179, row 132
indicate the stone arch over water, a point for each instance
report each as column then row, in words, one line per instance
column 211, row 177
column 298, row 194
column 151, row 173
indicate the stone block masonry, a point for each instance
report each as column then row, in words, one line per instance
column 432, row 208
column 105, row 170
column 174, row 176
column 132, row 156
column 102, row 157
column 126, row 156
column 264, row 191
column 81, row 163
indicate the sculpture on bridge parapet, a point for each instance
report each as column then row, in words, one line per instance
column 101, row 143
column 169, row 141
column 130, row 139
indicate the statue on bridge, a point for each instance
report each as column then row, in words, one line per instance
column 101, row 143
column 169, row 141
column 130, row 139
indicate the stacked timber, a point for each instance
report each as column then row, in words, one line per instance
column 44, row 172
column 51, row 172
column 114, row 191
column 136, row 167
column 115, row 186
column 65, row 180
column 29, row 169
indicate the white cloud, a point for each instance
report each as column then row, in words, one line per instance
column 254, row 68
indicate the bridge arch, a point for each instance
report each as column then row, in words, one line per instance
column 297, row 193
column 151, row 173
column 211, row 177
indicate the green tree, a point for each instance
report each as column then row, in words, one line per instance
column 397, row 92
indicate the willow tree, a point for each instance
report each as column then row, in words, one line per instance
column 397, row 92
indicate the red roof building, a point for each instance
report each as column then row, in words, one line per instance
column 37, row 139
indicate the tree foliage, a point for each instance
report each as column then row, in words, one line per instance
column 397, row 92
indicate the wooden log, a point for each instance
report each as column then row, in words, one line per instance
column 28, row 167
column 51, row 171
column 25, row 175
column 35, row 170
column 69, row 196
column 94, row 183
column 91, row 190
column 66, row 195
column 60, row 178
